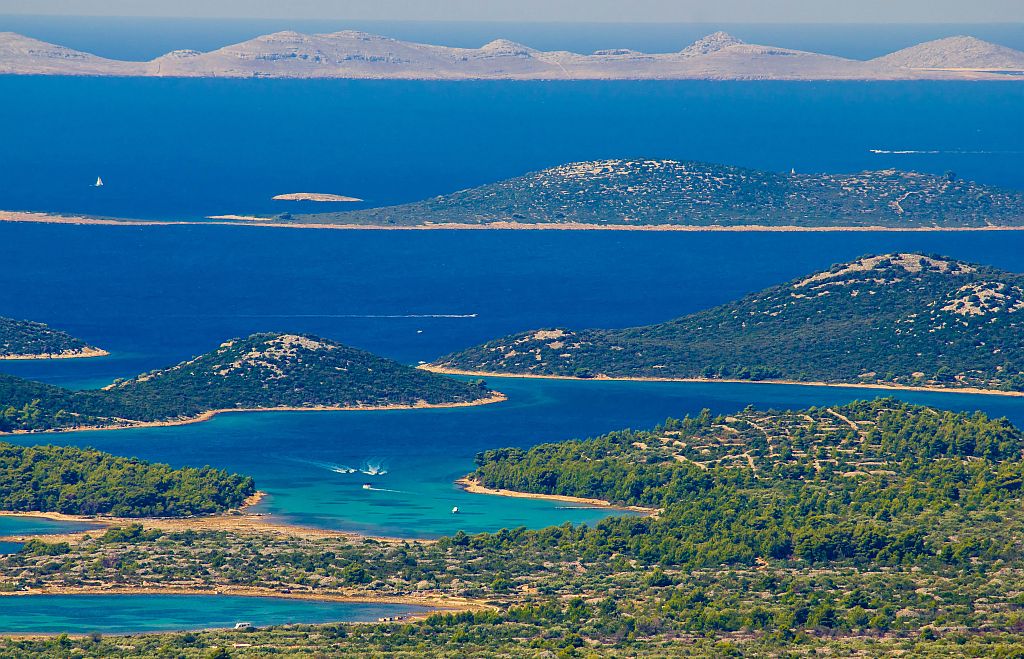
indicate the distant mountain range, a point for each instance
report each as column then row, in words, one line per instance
column 351, row 54
column 668, row 193
column 900, row 319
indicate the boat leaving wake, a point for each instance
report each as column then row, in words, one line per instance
column 335, row 315
column 373, row 469
column 935, row 152
column 383, row 489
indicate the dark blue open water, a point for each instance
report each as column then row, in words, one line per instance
column 192, row 148
column 156, row 295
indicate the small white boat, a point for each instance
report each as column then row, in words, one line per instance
column 455, row 510
column 367, row 486
column 99, row 183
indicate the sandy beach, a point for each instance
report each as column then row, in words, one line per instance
column 497, row 397
column 474, row 487
column 255, row 220
column 76, row 354
column 240, row 520
column 440, row 604
column 605, row 378
column 349, row 595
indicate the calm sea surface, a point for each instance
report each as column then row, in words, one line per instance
column 119, row 614
column 184, row 149
column 157, row 295
column 190, row 148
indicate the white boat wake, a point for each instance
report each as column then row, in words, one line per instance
column 934, row 152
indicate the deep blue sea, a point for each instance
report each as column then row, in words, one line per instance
column 157, row 295
column 185, row 149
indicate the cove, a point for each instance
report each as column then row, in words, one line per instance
column 16, row 526
column 125, row 614
column 303, row 459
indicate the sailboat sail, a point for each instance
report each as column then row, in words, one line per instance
column 99, row 182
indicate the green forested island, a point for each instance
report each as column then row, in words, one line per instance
column 83, row 481
column 894, row 319
column 261, row 371
column 876, row 528
column 25, row 339
column 639, row 193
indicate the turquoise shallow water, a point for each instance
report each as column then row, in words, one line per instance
column 189, row 148
column 112, row 614
column 157, row 295
column 295, row 456
column 34, row 526
column 39, row 526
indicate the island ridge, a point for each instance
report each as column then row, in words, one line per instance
column 262, row 372
column 898, row 320
column 352, row 54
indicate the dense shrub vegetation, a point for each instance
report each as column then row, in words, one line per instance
column 81, row 481
column 904, row 319
column 875, row 529
column 666, row 192
column 261, row 371
column 25, row 337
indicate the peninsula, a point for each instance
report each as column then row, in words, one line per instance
column 351, row 54
column 25, row 339
column 262, row 372
column 84, row 481
column 902, row 320
column 876, row 528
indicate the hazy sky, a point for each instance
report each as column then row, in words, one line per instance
column 737, row 11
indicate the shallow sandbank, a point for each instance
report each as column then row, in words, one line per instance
column 255, row 220
column 473, row 487
column 239, row 520
column 315, row 196
column 604, row 378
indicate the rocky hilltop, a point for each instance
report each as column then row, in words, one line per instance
column 352, row 54
column 894, row 319
column 636, row 193
column 24, row 55
column 262, row 371
column 25, row 339
column 959, row 52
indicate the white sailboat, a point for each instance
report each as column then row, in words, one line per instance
column 99, row 183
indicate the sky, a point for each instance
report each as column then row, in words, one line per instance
column 682, row 11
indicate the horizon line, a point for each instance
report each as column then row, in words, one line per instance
column 508, row 21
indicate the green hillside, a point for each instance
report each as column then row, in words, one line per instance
column 25, row 338
column 668, row 192
column 84, row 481
column 905, row 319
column 261, row 371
